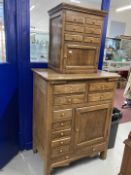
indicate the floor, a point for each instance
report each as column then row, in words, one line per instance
column 26, row 163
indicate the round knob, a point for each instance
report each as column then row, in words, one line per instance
column 67, row 157
column 63, row 114
column 61, row 150
column 74, row 29
column 62, row 124
column 61, row 133
column 69, row 100
column 94, row 149
column 61, row 143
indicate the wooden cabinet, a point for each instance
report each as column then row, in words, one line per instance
column 75, row 39
column 72, row 115
column 126, row 162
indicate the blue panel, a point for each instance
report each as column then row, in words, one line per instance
column 9, row 89
column 25, row 73
column 105, row 6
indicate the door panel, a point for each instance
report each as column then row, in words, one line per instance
column 92, row 124
column 80, row 56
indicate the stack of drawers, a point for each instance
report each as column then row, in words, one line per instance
column 75, row 39
column 72, row 112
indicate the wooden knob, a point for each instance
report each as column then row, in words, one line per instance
column 62, row 124
column 61, row 133
column 69, row 100
column 77, row 130
column 67, row 157
column 61, row 150
column 61, row 143
column 94, row 149
column 63, row 114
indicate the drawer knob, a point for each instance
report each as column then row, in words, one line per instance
column 63, row 114
column 61, row 143
column 67, row 157
column 61, row 133
column 69, row 100
column 62, row 124
column 61, row 151
column 93, row 149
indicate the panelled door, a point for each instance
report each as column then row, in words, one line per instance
column 81, row 55
column 92, row 124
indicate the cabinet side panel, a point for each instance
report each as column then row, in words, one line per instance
column 39, row 114
column 55, row 41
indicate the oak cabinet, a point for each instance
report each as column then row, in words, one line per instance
column 71, row 116
column 75, row 38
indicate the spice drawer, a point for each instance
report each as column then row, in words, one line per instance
column 92, row 40
column 69, row 37
column 62, row 114
column 61, row 134
column 101, row 86
column 75, row 17
column 91, row 30
column 61, row 125
column 61, row 142
column 57, row 152
column 74, row 28
column 100, row 96
column 69, row 88
column 67, row 100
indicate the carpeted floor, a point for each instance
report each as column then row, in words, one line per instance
column 119, row 100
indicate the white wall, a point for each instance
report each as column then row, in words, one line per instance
column 120, row 17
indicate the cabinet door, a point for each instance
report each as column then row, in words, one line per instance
column 92, row 124
column 80, row 57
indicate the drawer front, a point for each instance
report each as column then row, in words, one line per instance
column 57, row 152
column 62, row 114
column 94, row 21
column 67, row 100
column 74, row 28
column 65, row 157
column 61, row 142
column 62, row 125
column 101, row 86
column 73, row 37
column 93, row 31
column 100, row 96
column 72, row 88
column 92, row 40
column 61, row 134
column 75, row 17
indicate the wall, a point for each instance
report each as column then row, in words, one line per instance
column 120, row 17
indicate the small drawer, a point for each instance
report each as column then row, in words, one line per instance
column 93, row 20
column 100, row 96
column 92, row 40
column 101, row 86
column 67, row 100
column 93, row 31
column 71, row 88
column 61, row 142
column 62, row 158
column 62, row 125
column 74, row 28
column 73, row 37
column 62, row 114
column 75, row 17
column 61, row 134
column 57, row 152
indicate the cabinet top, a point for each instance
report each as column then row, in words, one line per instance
column 65, row 6
column 50, row 75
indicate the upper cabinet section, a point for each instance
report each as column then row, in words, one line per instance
column 75, row 39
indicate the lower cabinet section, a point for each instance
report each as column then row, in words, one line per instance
column 71, row 118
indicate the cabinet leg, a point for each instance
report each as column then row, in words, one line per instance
column 47, row 170
column 103, row 155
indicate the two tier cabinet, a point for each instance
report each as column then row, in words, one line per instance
column 71, row 116
column 75, row 38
